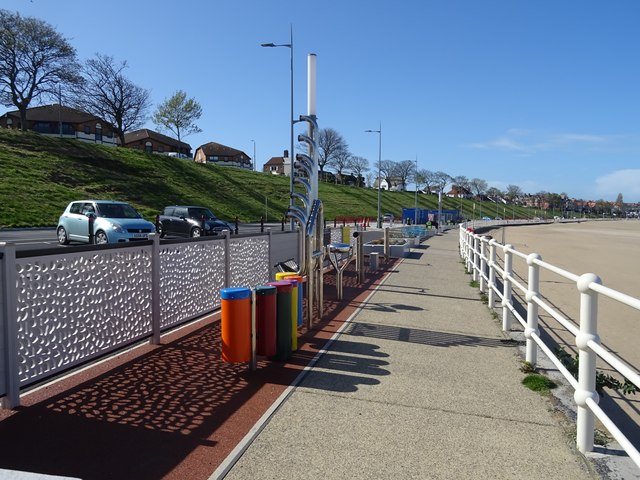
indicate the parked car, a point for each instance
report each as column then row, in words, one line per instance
column 113, row 222
column 387, row 217
column 190, row 221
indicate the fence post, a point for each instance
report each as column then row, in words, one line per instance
column 492, row 273
column 227, row 258
column 483, row 263
column 475, row 258
column 155, row 288
column 506, row 288
column 533, row 288
column 387, row 248
column 585, row 423
column 10, row 315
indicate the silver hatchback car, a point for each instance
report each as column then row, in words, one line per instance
column 113, row 222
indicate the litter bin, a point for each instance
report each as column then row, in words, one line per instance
column 266, row 320
column 236, row 324
column 283, row 319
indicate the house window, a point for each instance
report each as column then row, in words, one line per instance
column 87, row 129
column 160, row 149
column 148, row 147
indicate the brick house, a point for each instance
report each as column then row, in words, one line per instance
column 154, row 142
column 278, row 165
column 60, row 121
column 222, row 155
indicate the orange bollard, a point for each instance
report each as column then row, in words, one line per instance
column 236, row 324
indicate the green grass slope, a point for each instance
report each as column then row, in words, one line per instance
column 40, row 175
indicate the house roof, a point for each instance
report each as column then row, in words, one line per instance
column 213, row 148
column 55, row 112
column 145, row 133
column 275, row 161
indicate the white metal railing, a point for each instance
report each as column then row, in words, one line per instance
column 485, row 269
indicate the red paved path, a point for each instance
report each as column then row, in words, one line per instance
column 169, row 411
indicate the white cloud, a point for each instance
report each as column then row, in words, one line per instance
column 526, row 142
column 626, row 182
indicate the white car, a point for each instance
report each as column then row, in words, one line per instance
column 113, row 222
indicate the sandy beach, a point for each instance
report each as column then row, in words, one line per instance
column 611, row 250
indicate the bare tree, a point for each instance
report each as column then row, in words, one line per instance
column 387, row 171
column 179, row 114
column 358, row 165
column 513, row 192
column 478, row 186
column 441, row 180
column 330, row 145
column 370, row 179
column 494, row 193
column 461, row 181
column 106, row 93
column 35, row 61
column 340, row 163
column 428, row 179
column 405, row 169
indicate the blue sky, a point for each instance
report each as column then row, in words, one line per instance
column 541, row 94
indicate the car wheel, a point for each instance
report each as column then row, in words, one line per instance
column 196, row 232
column 101, row 238
column 62, row 236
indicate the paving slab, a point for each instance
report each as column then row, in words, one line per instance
column 420, row 384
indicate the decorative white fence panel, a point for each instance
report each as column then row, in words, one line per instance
column 58, row 310
column 479, row 254
column 191, row 277
column 74, row 306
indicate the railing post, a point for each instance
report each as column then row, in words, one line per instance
column 155, row 289
column 483, row 263
column 492, row 273
column 469, row 247
column 476, row 260
column 585, row 423
column 10, row 315
column 506, row 288
column 533, row 289
column 270, row 254
column 227, row 258
column 387, row 248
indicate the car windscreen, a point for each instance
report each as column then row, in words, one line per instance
column 198, row 213
column 116, row 210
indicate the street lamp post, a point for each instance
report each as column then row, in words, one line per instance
column 291, row 155
column 379, row 132
column 415, row 219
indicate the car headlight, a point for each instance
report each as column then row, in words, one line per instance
column 117, row 228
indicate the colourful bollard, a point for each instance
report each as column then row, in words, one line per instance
column 236, row 324
column 300, row 280
column 266, row 296
column 283, row 319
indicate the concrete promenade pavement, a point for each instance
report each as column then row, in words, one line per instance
column 421, row 383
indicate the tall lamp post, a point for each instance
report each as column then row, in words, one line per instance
column 254, row 155
column 291, row 156
column 379, row 132
column 415, row 220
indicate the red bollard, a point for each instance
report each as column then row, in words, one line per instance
column 266, row 320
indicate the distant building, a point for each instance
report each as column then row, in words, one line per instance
column 65, row 122
column 278, row 165
column 222, row 155
column 153, row 142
